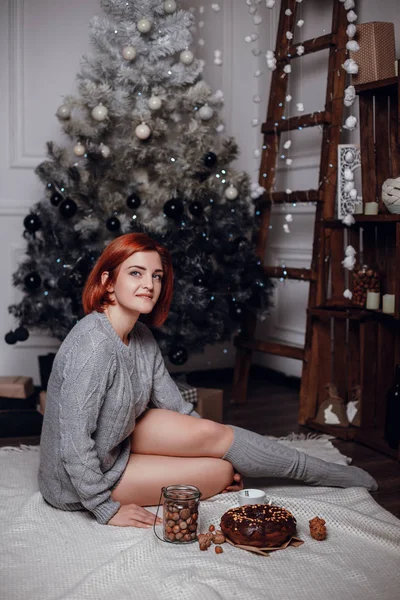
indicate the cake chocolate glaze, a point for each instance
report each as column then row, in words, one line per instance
column 259, row 525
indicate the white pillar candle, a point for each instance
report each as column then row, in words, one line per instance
column 388, row 304
column 373, row 299
column 371, row 208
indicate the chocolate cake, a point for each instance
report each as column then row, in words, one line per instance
column 259, row 525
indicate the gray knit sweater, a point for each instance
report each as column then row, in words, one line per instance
column 97, row 389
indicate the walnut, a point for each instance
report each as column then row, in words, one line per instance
column 219, row 538
column 204, row 541
column 317, row 529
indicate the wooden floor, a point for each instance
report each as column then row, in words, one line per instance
column 272, row 409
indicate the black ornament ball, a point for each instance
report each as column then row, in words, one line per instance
column 228, row 247
column 133, row 201
column 21, row 333
column 32, row 223
column 113, row 224
column 64, row 284
column 55, row 199
column 173, row 208
column 32, row 281
column 178, row 355
column 76, row 278
column 68, row 208
column 196, row 209
column 236, row 311
column 210, row 159
column 197, row 317
column 10, row 338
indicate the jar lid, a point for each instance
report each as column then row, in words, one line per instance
column 181, row 492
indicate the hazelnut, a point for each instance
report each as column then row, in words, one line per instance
column 211, row 528
column 218, row 550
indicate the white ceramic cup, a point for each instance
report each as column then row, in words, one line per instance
column 251, row 496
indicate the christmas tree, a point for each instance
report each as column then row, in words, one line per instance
column 146, row 154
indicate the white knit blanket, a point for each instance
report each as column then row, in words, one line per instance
column 48, row 554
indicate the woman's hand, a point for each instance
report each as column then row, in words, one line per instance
column 236, row 485
column 132, row 515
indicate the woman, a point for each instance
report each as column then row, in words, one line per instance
column 103, row 448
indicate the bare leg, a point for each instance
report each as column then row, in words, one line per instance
column 145, row 475
column 167, row 433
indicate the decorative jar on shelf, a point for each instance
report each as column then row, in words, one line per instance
column 366, row 279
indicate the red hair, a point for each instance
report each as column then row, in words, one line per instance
column 95, row 296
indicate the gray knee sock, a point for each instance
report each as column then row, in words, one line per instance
column 253, row 455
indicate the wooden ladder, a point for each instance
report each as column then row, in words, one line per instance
column 331, row 122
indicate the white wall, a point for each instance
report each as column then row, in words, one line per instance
column 41, row 42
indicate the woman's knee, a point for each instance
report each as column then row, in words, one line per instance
column 227, row 473
column 214, row 438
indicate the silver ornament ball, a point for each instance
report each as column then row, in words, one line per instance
column 79, row 149
column 99, row 113
column 169, row 6
column 186, row 57
column 143, row 25
column 154, row 103
column 104, row 150
column 63, row 112
column 142, row 131
column 231, row 192
column 206, row 113
column 129, row 53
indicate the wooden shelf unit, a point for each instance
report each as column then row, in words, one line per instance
column 352, row 345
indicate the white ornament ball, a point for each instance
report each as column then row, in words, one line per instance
column 100, row 112
column 353, row 194
column 79, row 149
column 143, row 25
column 154, row 103
column 231, row 192
column 169, row 6
column 129, row 52
column 270, row 3
column 391, row 195
column 350, row 123
column 349, row 157
column 351, row 16
column 104, row 150
column 186, row 57
column 349, row 4
column 142, row 131
column 206, row 112
column 63, row 112
column 351, row 30
column 353, row 46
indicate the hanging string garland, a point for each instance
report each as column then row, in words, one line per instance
column 350, row 66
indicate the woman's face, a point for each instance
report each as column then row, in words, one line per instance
column 139, row 281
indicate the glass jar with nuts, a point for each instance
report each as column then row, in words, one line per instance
column 365, row 279
column 181, row 513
